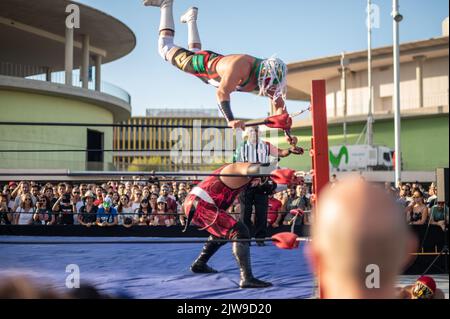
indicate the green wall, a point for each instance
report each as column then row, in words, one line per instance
column 425, row 141
column 30, row 107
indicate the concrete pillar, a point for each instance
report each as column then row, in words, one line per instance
column 68, row 61
column 419, row 78
column 98, row 72
column 85, row 62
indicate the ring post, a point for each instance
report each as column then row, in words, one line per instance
column 319, row 145
column 320, row 161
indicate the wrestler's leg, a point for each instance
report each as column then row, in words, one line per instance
column 241, row 252
column 237, row 169
column 209, row 249
column 243, row 169
column 166, row 24
column 166, row 45
column 190, row 17
column 204, row 214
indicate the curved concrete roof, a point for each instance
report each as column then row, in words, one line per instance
column 33, row 31
column 120, row 109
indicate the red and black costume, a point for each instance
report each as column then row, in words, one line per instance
column 206, row 206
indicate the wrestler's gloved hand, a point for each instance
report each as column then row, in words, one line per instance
column 297, row 150
column 283, row 176
column 286, row 176
column 292, row 140
column 237, row 124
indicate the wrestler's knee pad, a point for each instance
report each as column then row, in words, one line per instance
column 213, row 240
column 165, row 44
column 240, row 231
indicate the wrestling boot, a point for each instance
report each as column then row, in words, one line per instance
column 200, row 265
column 241, row 252
column 157, row 3
column 189, row 15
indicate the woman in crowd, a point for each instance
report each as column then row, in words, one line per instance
column 115, row 197
column 136, row 198
column 161, row 216
column 432, row 196
column 43, row 215
column 125, row 212
column 417, row 211
column 88, row 213
column 24, row 213
column 146, row 192
column 144, row 212
column 49, row 195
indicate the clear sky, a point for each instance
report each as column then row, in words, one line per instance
column 294, row 30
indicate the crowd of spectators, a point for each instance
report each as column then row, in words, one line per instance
column 108, row 204
column 159, row 203
column 421, row 205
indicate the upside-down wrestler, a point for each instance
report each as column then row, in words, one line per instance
column 206, row 206
column 229, row 73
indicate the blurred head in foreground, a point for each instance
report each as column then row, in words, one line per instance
column 360, row 241
column 20, row 287
column 23, row 287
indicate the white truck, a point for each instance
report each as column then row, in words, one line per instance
column 361, row 158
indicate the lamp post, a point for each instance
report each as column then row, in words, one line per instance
column 397, row 18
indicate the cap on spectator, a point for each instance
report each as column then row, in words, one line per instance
column 107, row 202
column 161, row 199
column 88, row 194
column 12, row 184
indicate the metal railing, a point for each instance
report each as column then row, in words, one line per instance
column 39, row 73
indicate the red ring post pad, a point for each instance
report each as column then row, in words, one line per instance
column 285, row 240
column 299, row 212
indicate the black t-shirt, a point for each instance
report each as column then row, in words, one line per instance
column 51, row 203
column 65, row 214
column 4, row 216
column 88, row 217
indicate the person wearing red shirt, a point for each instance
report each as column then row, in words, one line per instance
column 273, row 214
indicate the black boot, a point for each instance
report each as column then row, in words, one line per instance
column 241, row 252
column 209, row 249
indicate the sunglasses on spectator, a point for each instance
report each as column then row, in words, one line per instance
column 28, row 199
column 144, row 202
column 138, row 194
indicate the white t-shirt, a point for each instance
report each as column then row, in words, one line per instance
column 135, row 206
column 126, row 212
column 25, row 216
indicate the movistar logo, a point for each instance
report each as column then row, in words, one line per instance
column 336, row 160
